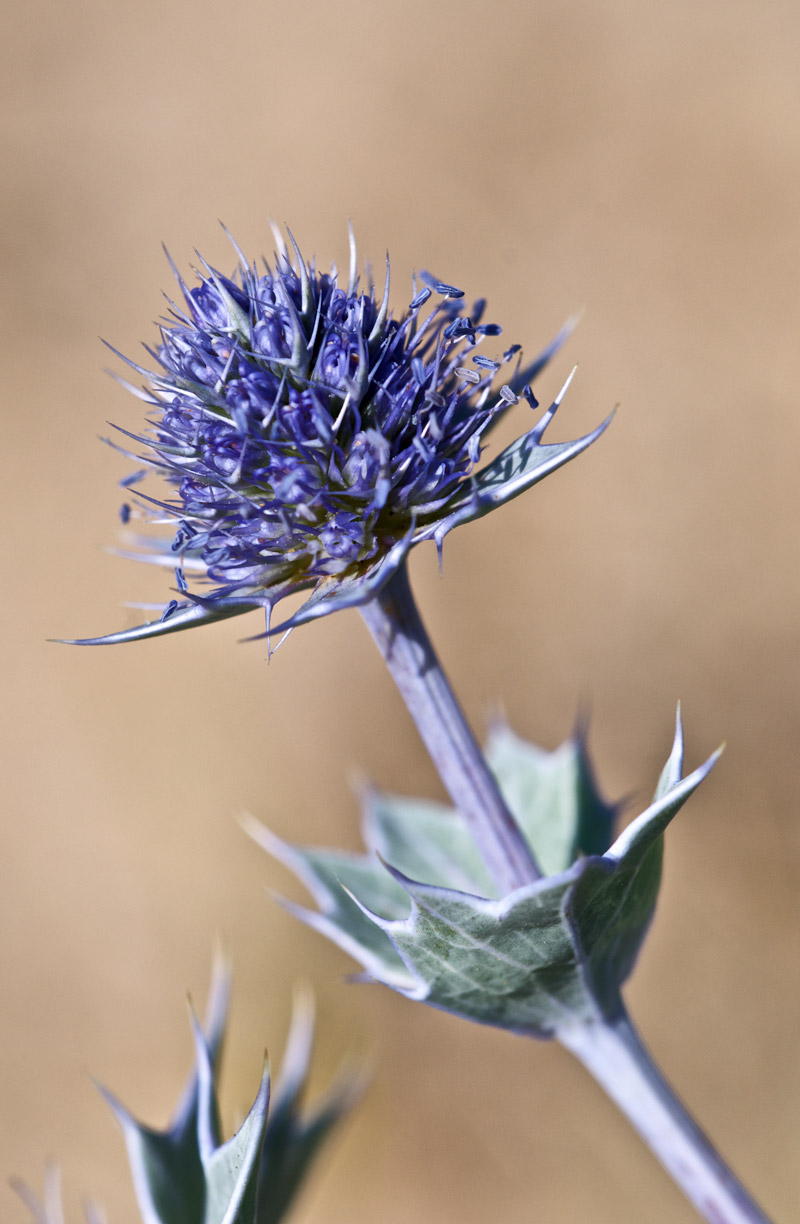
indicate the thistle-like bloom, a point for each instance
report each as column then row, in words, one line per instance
column 310, row 438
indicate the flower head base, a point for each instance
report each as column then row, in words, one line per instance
column 310, row 438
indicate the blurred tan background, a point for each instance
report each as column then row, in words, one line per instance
column 639, row 160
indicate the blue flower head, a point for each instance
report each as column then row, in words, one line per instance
column 309, row 438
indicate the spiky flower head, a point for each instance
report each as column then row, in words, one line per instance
column 309, row 438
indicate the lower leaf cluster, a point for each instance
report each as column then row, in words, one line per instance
column 419, row 912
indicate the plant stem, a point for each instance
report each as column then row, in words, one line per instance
column 610, row 1049
column 614, row 1054
column 402, row 639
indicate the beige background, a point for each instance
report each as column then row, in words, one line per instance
column 638, row 159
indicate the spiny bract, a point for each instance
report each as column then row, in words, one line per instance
column 311, row 438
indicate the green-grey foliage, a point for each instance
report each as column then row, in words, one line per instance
column 419, row 913
column 553, row 796
column 187, row 1174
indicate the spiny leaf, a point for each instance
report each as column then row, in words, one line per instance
column 511, row 963
column 166, row 1166
column 186, row 1174
column 333, row 878
column 553, row 797
column 427, row 841
column 613, row 905
column 231, row 1171
column 545, row 956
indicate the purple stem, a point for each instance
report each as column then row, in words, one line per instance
column 401, row 637
column 614, row 1054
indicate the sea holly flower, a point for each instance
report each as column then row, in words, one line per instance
column 187, row 1174
column 423, row 915
column 309, row 438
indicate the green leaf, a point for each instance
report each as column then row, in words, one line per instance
column 231, row 1171
column 551, row 954
column 614, row 902
column 166, row 1166
column 186, row 1174
column 166, row 1170
column 553, row 797
column 333, row 878
column 511, row 963
column 427, row 841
